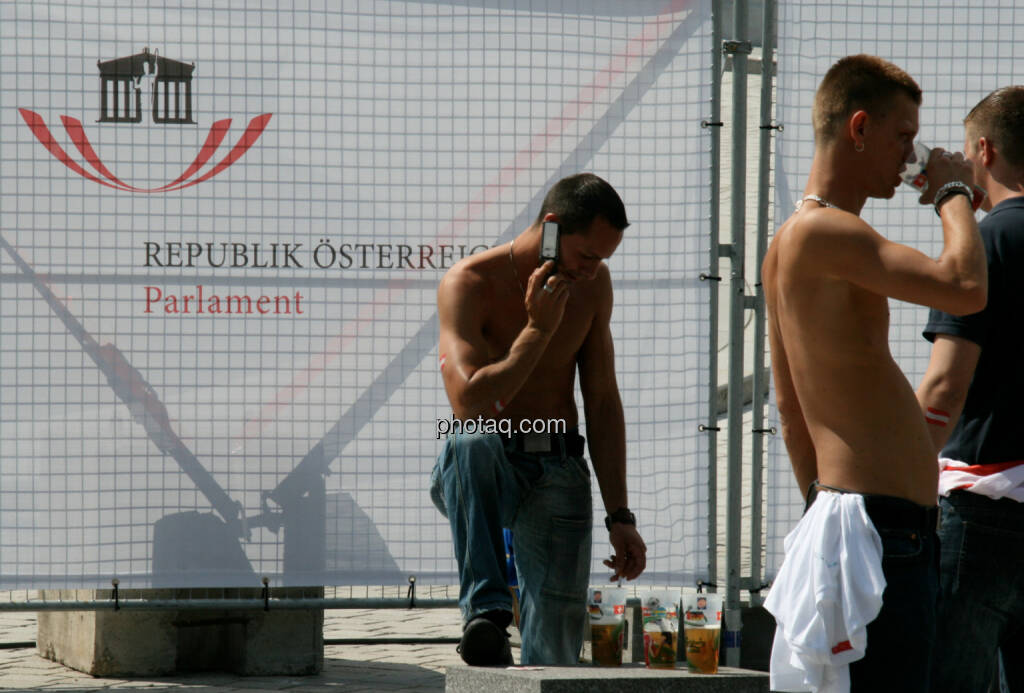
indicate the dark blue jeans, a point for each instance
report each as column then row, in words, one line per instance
column 902, row 636
column 982, row 608
column 482, row 485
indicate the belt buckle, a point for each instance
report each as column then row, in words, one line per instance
column 536, row 442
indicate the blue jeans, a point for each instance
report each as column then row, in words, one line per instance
column 982, row 608
column 483, row 486
column 901, row 638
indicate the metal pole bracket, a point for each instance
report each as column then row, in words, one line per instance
column 731, row 47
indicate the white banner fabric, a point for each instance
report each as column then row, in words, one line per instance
column 223, row 227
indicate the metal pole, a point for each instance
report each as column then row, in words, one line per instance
column 734, row 484
column 228, row 604
column 714, row 126
column 760, row 386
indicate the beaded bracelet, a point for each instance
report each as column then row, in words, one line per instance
column 954, row 187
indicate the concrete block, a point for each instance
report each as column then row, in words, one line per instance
column 153, row 643
column 635, row 679
column 280, row 643
column 103, row 643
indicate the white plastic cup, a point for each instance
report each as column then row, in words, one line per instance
column 606, row 608
column 660, row 627
column 915, row 174
column 702, row 631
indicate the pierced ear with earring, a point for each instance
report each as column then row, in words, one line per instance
column 859, row 147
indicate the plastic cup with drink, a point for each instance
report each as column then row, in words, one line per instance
column 661, row 627
column 702, row 631
column 607, row 611
column 915, row 174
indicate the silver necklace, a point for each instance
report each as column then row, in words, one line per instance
column 820, row 200
column 512, row 259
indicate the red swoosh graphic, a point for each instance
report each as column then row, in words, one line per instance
column 249, row 137
column 213, row 140
column 42, row 133
column 73, row 126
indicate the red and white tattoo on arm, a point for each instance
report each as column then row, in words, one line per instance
column 936, row 417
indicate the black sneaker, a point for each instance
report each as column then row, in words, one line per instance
column 485, row 644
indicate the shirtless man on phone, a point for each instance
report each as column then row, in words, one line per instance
column 514, row 333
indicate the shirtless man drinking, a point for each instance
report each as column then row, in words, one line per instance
column 850, row 419
column 513, row 336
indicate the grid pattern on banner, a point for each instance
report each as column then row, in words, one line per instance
column 941, row 47
column 203, row 318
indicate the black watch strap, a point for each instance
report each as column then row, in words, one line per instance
column 622, row 516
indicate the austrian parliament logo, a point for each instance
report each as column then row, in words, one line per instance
column 167, row 85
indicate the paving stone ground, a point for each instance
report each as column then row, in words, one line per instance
column 347, row 668
column 354, row 667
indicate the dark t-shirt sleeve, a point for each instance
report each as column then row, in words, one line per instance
column 973, row 327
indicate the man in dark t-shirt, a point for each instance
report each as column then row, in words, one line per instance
column 971, row 397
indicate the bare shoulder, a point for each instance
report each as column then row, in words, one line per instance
column 817, row 224
column 467, row 278
column 462, row 297
column 822, row 241
column 464, row 275
column 770, row 264
column 598, row 292
column 602, row 283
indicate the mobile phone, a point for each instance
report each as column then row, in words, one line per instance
column 549, row 242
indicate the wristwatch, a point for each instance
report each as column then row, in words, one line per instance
column 622, row 516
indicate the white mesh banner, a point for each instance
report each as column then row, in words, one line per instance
column 958, row 53
column 223, row 229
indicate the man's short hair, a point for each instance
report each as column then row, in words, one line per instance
column 858, row 83
column 999, row 118
column 577, row 200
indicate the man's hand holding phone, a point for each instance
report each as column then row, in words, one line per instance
column 550, row 243
column 547, row 291
column 546, row 295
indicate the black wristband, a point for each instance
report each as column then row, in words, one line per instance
column 949, row 190
column 622, row 516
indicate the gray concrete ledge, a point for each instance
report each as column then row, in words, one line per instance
column 635, row 679
column 155, row 643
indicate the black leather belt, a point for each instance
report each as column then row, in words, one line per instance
column 888, row 511
column 570, row 443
